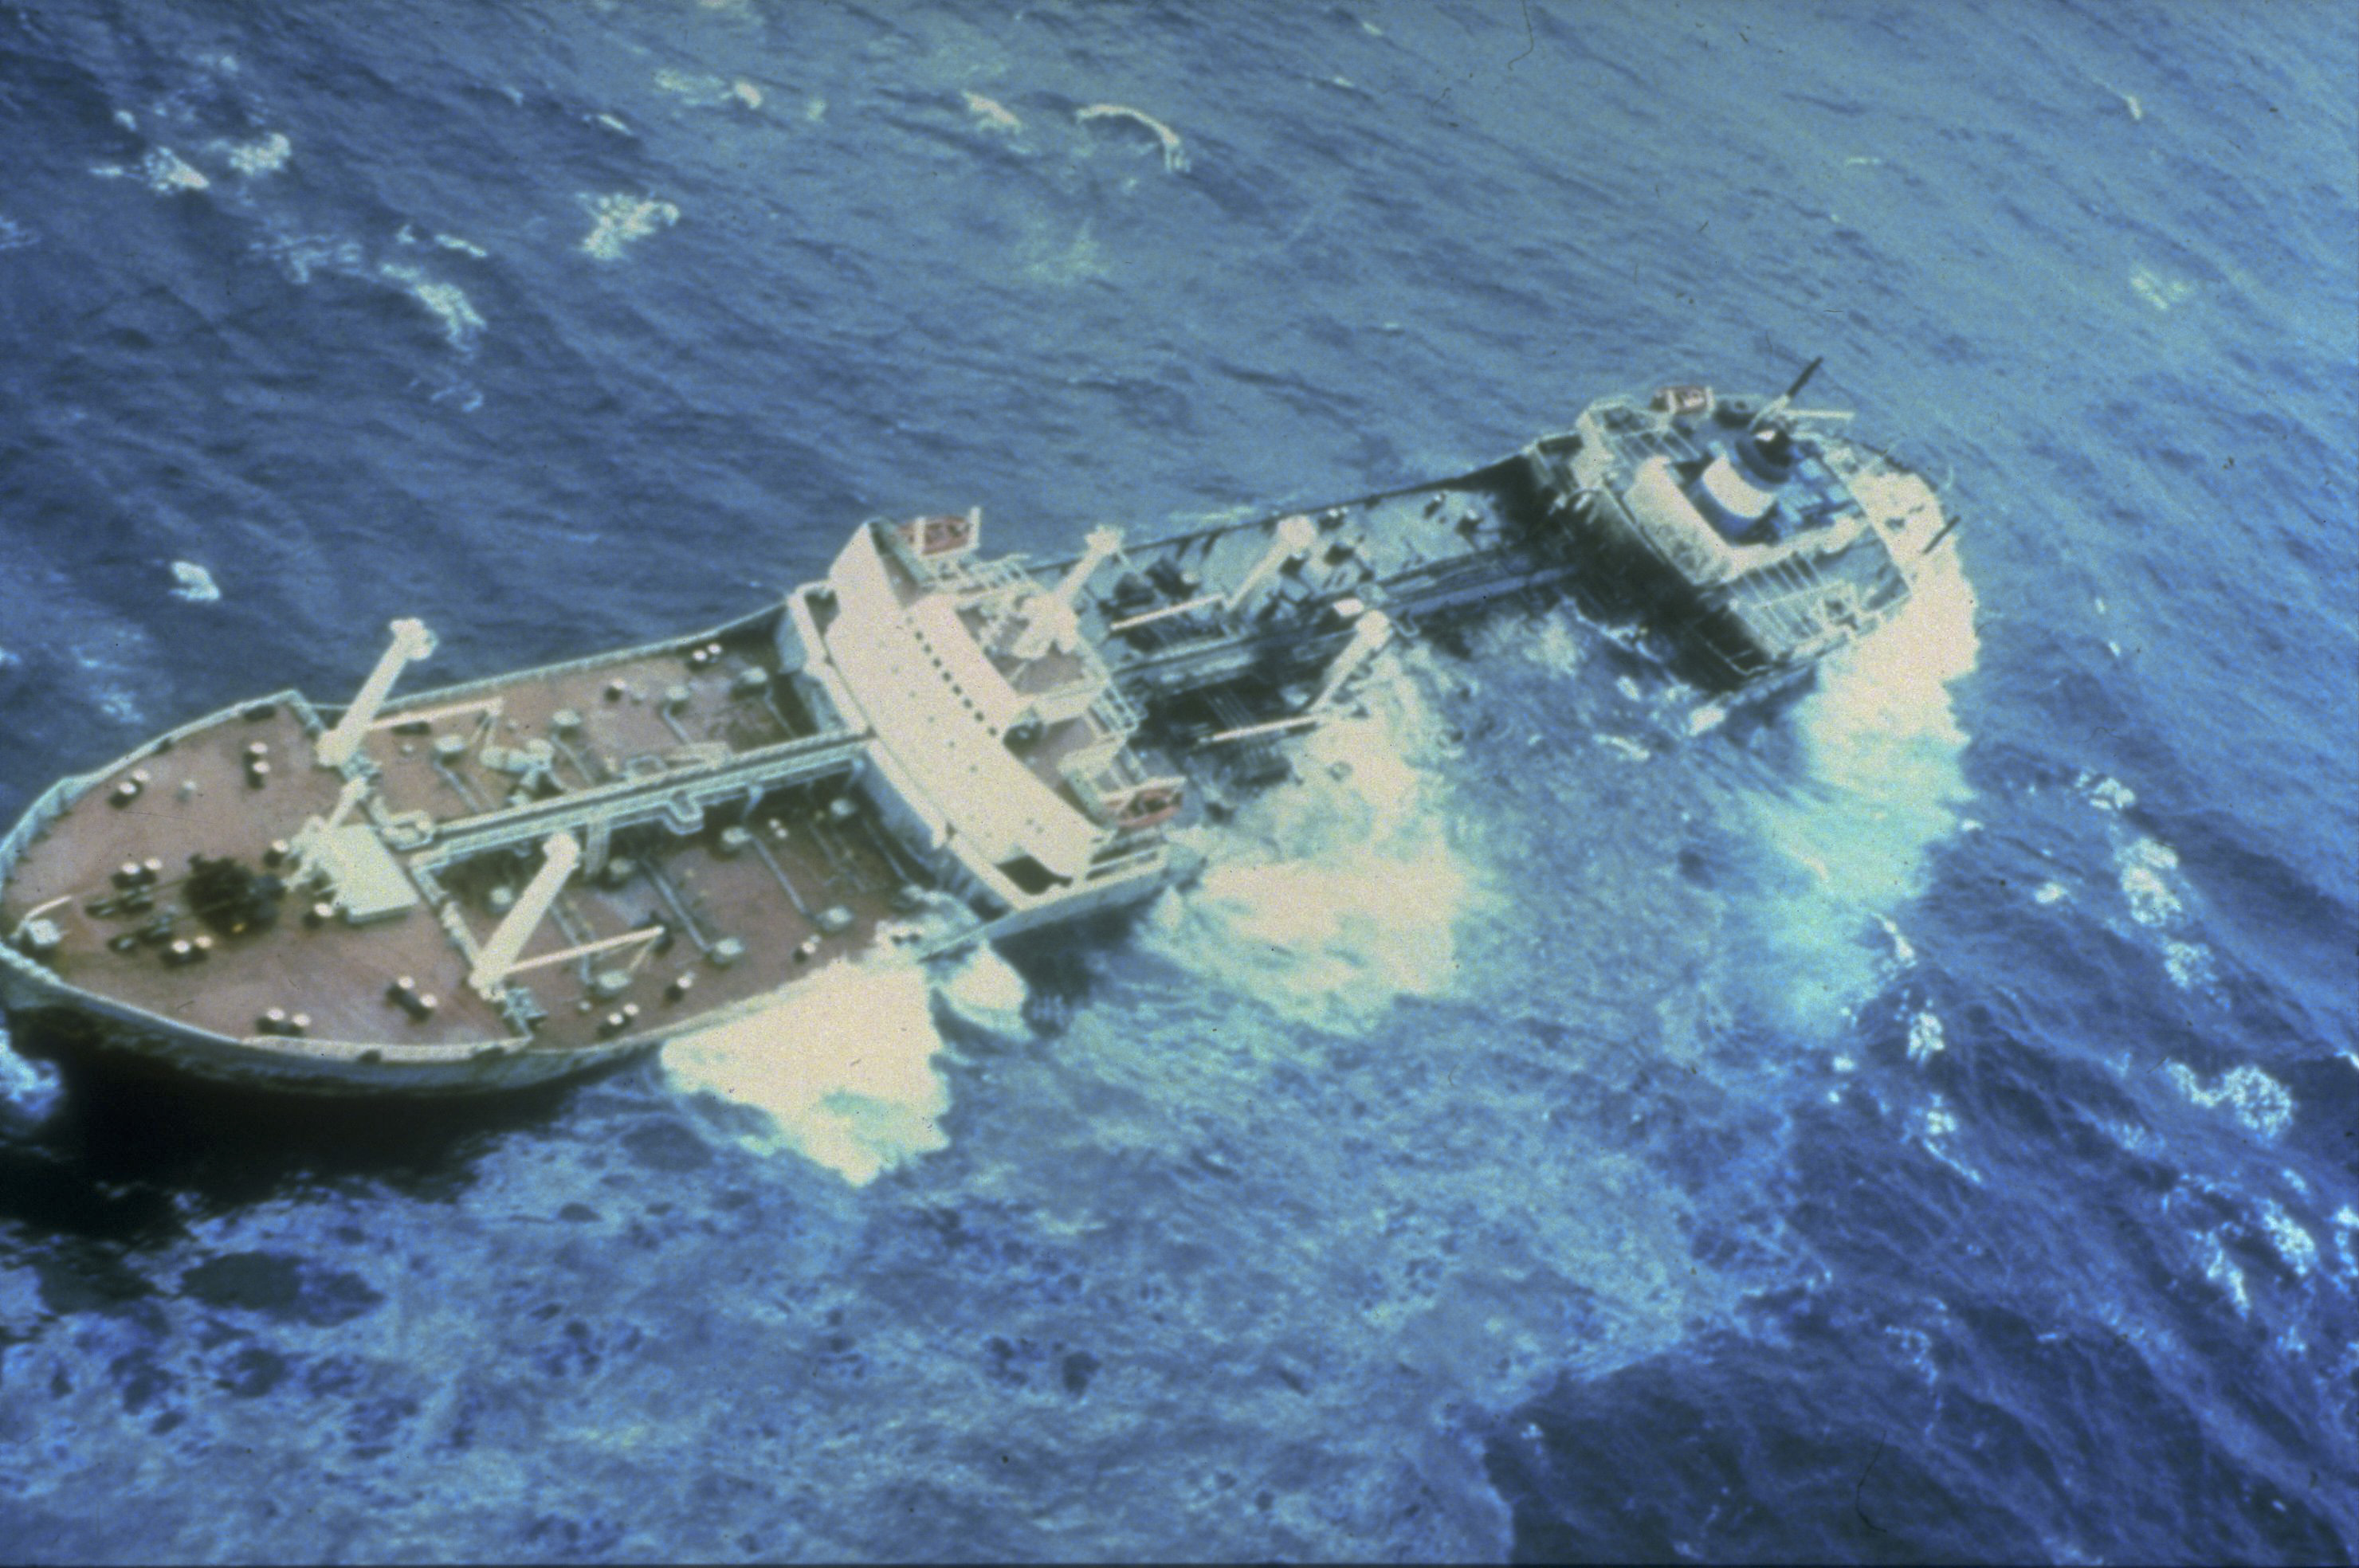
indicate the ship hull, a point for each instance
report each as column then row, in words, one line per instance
column 52, row 1021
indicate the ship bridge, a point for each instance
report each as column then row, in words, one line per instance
column 999, row 740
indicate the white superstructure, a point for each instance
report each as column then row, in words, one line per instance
column 998, row 742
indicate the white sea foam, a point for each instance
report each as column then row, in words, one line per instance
column 707, row 92
column 267, row 155
column 2153, row 889
column 14, row 236
column 621, row 219
column 1925, row 1041
column 985, row 989
column 2104, row 792
column 2158, row 290
column 300, row 255
column 1175, row 155
column 1884, row 752
column 1624, row 747
column 2141, row 865
column 194, row 584
column 409, row 236
column 447, row 302
column 2050, row 892
column 1331, row 897
column 1903, row 955
column 991, row 115
column 838, row 1071
column 2225, row 1274
column 1934, row 1129
column 165, row 172
column 2295, row 1245
column 2262, row 1104
column 30, row 1089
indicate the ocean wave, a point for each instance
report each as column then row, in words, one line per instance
column 990, row 115
column 14, row 236
column 193, row 584
column 1329, row 897
column 28, row 1091
column 985, row 989
column 2262, row 1105
column 1884, row 751
column 2223, row 1273
column 2294, row 1244
column 266, row 155
column 708, row 92
column 621, row 221
column 840, row 1071
column 164, row 170
column 447, row 302
column 1925, row 1038
column 2148, row 871
column 1935, row 1125
column 299, row 257
column 1175, row 155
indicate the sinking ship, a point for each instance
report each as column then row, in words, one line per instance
column 532, row 876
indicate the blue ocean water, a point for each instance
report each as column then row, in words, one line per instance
column 1916, row 1119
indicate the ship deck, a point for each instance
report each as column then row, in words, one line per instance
column 769, row 897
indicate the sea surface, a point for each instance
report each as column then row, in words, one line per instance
column 1915, row 1119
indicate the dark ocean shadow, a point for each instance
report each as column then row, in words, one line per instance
column 132, row 1158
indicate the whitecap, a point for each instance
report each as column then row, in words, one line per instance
column 2050, row 892
column 1885, row 753
column 447, row 302
column 2158, row 290
column 2225, row 1274
column 194, row 584
column 1175, row 156
column 706, row 92
column 14, row 236
column 1903, row 955
column 300, row 255
column 29, row 1089
column 1925, row 1041
column 991, row 115
column 2262, row 1104
column 2147, row 870
column 840, row 1070
column 1330, row 898
column 2189, row 964
column 1622, row 746
column 266, row 156
column 2142, row 865
column 1934, row 1129
column 2105, row 793
column 2295, row 1245
column 623, row 218
column 167, row 173
column 985, row 989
